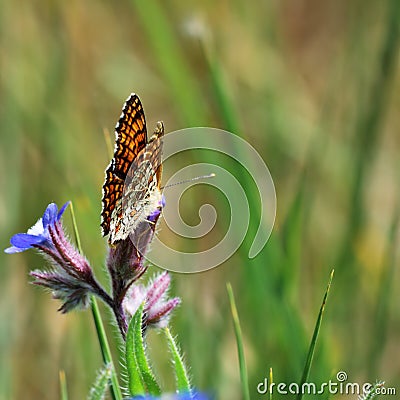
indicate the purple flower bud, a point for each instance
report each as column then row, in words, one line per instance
column 157, row 308
column 134, row 298
column 158, row 316
column 70, row 291
column 125, row 265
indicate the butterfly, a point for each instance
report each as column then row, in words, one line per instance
column 131, row 191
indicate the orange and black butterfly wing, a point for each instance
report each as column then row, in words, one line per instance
column 141, row 192
column 130, row 139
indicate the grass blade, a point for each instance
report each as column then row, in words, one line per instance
column 311, row 349
column 271, row 380
column 220, row 87
column 63, row 386
column 101, row 333
column 75, row 227
column 238, row 333
column 171, row 61
column 367, row 130
column 384, row 296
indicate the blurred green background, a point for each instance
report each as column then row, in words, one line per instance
column 313, row 86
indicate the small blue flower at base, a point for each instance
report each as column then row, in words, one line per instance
column 170, row 396
column 38, row 233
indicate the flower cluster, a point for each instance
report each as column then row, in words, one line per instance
column 71, row 278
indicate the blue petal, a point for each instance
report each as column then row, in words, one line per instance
column 154, row 215
column 62, row 209
column 180, row 396
column 163, row 201
column 13, row 249
column 193, row 396
column 25, row 241
column 50, row 215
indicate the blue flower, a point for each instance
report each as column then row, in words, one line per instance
column 70, row 277
column 38, row 234
column 178, row 396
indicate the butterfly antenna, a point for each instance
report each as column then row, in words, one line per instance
column 189, row 180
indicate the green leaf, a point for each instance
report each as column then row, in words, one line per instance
column 135, row 385
column 141, row 379
column 181, row 375
column 239, row 342
column 99, row 388
column 311, row 350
